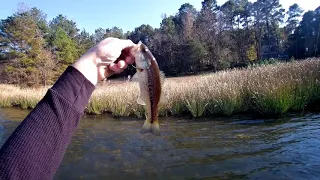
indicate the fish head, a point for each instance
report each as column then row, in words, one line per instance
column 143, row 56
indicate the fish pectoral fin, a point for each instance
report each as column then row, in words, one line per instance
column 163, row 98
column 141, row 101
column 162, row 77
column 150, row 127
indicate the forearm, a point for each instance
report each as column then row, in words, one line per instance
column 36, row 148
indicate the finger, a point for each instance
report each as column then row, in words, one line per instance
column 122, row 64
column 102, row 73
column 125, row 43
column 129, row 60
column 126, row 56
column 108, row 72
column 114, row 67
column 124, row 53
column 103, row 64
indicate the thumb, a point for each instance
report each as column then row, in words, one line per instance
column 104, row 72
column 124, row 43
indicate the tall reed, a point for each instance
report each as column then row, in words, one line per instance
column 269, row 89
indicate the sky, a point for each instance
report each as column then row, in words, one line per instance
column 125, row 14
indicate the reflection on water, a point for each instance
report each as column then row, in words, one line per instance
column 108, row 148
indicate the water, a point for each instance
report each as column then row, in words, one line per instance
column 237, row 148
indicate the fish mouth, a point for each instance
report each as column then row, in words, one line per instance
column 139, row 50
column 138, row 68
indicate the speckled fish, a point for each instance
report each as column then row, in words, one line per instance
column 150, row 82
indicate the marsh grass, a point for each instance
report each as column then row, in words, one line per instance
column 196, row 102
column 16, row 96
column 269, row 89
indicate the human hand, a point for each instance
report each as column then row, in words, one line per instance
column 99, row 62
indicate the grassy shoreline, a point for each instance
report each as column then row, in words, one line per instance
column 270, row 90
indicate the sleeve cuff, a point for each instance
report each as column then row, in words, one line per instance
column 74, row 87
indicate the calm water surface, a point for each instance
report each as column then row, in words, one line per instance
column 233, row 148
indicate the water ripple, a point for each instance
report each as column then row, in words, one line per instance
column 106, row 148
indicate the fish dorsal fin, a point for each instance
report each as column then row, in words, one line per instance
column 140, row 101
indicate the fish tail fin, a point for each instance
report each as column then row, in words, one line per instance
column 155, row 129
column 150, row 127
column 146, row 127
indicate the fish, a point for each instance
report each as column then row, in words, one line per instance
column 151, row 80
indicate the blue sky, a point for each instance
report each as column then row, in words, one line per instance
column 126, row 14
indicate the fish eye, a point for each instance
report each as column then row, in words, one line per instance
column 146, row 64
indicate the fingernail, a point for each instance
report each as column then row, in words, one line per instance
column 122, row 64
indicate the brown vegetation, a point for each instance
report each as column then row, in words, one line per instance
column 267, row 89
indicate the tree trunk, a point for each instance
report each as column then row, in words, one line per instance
column 268, row 38
column 316, row 48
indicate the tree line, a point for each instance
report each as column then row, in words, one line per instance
column 216, row 37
